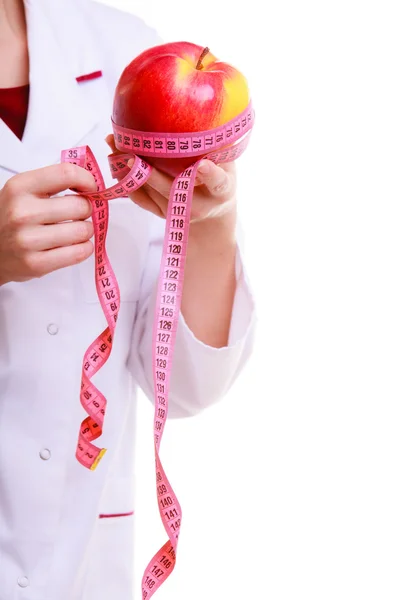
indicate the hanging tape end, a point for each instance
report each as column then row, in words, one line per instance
column 98, row 459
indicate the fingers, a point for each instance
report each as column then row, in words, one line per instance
column 67, row 208
column 148, row 197
column 62, row 208
column 158, row 199
column 160, row 183
column 214, row 183
column 141, row 198
column 216, row 186
column 52, row 180
column 218, row 181
column 41, row 263
column 47, row 237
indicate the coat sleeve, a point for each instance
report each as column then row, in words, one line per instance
column 201, row 374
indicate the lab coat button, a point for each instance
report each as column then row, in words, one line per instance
column 23, row 582
column 45, row 454
column 52, row 328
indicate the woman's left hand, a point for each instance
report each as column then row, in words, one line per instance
column 214, row 194
column 210, row 278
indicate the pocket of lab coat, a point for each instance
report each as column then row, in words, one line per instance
column 110, row 569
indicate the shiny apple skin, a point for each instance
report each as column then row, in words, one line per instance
column 162, row 91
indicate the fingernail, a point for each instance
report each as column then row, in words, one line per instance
column 204, row 167
column 130, row 162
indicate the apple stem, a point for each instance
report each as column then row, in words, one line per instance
column 200, row 61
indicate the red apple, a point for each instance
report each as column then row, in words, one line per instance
column 178, row 87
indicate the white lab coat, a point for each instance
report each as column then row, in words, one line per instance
column 53, row 546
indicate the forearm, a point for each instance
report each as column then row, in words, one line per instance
column 215, row 332
column 210, row 279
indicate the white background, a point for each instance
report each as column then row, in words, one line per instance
column 290, row 486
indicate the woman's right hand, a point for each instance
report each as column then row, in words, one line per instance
column 38, row 233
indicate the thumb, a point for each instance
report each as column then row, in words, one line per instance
column 216, row 179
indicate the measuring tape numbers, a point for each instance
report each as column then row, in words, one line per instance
column 223, row 144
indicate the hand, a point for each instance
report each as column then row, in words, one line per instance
column 214, row 195
column 39, row 234
column 210, row 277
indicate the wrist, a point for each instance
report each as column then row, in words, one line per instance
column 214, row 234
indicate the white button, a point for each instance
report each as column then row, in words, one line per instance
column 52, row 328
column 45, row 454
column 23, row 581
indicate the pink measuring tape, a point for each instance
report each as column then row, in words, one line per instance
column 223, row 144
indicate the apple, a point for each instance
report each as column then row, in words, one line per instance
column 178, row 87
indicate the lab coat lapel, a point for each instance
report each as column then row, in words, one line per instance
column 59, row 114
